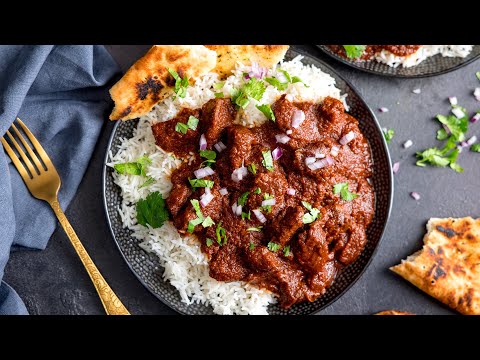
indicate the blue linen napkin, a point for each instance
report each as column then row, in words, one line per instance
column 60, row 93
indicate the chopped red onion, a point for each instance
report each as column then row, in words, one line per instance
column 347, row 138
column 396, row 167
column 223, row 191
column 277, row 153
column 407, row 144
column 239, row 174
column 203, row 172
column 259, row 216
column 383, row 109
column 329, row 160
column 256, row 71
column 268, row 202
column 282, row 138
column 203, row 142
column 289, row 97
column 318, row 164
column 297, row 118
column 220, row 146
column 417, row 91
column 310, row 160
column 288, row 132
column 234, row 208
column 475, row 118
column 458, row 112
column 207, row 190
column 319, row 154
column 476, row 93
column 477, row 98
column 205, row 199
column 239, row 210
column 472, row 140
column 334, row 151
column 415, row 195
column 453, row 100
column 291, row 191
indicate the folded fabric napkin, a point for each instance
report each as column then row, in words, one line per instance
column 60, row 93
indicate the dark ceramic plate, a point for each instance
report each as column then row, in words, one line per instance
column 431, row 66
column 146, row 266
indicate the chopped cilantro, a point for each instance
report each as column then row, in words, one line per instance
column 180, row 84
column 208, row 154
column 258, row 191
column 273, row 246
column 246, row 215
column 267, row 208
column 354, row 51
column 243, row 198
column 442, row 134
column 286, row 250
column 388, row 134
column 255, row 229
column 475, row 148
column 312, row 215
column 252, row 246
column 199, row 183
column 134, row 168
column 267, row 160
column 277, row 83
column 192, row 122
column 342, row 189
column 219, row 85
column 209, row 242
column 152, row 210
column 196, row 207
column 208, row 222
column 252, row 168
column 287, row 75
column 181, row 128
column 296, row 79
column 254, row 89
column 478, row 75
column 148, row 182
column 457, row 127
column 219, row 95
column 221, row 234
column 192, row 223
column 267, row 111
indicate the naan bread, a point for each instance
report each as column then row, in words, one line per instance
column 148, row 81
column 228, row 55
column 448, row 266
column 393, row 312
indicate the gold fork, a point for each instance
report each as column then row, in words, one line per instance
column 44, row 182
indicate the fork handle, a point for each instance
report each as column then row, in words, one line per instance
column 110, row 301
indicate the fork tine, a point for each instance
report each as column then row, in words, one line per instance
column 24, row 156
column 16, row 161
column 33, row 156
column 43, row 155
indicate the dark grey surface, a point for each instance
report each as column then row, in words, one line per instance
column 54, row 281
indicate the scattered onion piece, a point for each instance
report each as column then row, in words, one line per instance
column 203, row 142
column 334, row 151
column 289, row 97
column 472, row 140
column 475, row 118
column 396, row 167
column 282, row 138
column 417, row 91
column 476, row 93
column 347, row 138
column 453, row 100
column 206, row 198
column 319, row 154
column 329, row 160
column 277, row 153
column 407, row 144
column 268, row 202
column 310, row 160
column 223, row 191
column 239, row 174
column 383, row 109
column 458, row 112
column 203, row 172
column 288, row 132
column 291, row 191
column 259, row 216
column 220, row 146
column 298, row 118
column 415, row 195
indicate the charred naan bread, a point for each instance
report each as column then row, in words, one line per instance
column 228, row 55
column 148, row 81
column 448, row 266
column 393, row 312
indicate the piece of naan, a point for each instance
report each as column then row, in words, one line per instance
column 448, row 266
column 228, row 55
column 148, row 81
column 393, row 312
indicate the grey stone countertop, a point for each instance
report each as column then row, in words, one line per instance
column 54, row 281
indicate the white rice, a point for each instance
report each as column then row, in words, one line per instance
column 423, row 52
column 186, row 267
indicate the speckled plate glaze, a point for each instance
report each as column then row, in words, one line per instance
column 148, row 270
column 431, row 66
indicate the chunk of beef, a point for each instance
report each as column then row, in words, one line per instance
column 217, row 114
column 286, row 225
column 311, row 250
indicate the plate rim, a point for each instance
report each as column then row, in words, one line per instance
column 382, row 234
column 400, row 76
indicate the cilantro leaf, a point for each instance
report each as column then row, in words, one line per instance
column 273, row 246
column 252, row 168
column 192, row 223
column 354, row 51
column 208, row 222
column 296, row 79
column 219, row 95
column 432, row 156
column 134, row 168
column 277, row 83
column 199, row 183
column 221, row 234
column 147, row 183
column 192, row 122
column 243, row 198
column 152, row 211
column 475, row 148
column 254, row 89
column 255, row 229
column 257, row 191
column 287, row 75
column 219, row 85
column 342, row 189
column 388, row 134
column 196, row 207
column 442, row 134
column 267, row 111
column 252, row 246
column 312, row 215
column 477, row 74
column 208, row 154
column 246, row 215
column 181, row 128
column 286, row 251
column 458, row 127
column 267, row 208
column 209, row 242
column 180, row 84
column 267, row 160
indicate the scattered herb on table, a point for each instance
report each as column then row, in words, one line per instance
column 475, row 148
column 388, row 134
